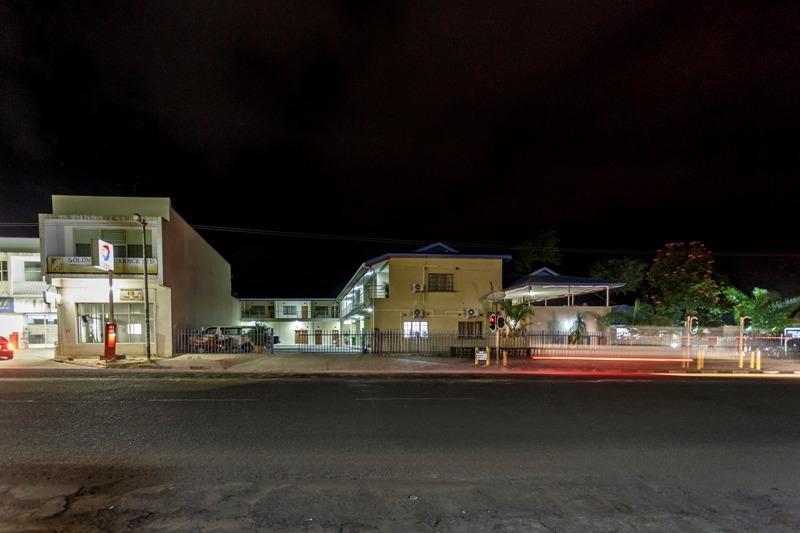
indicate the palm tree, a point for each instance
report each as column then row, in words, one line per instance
column 767, row 311
column 578, row 330
column 517, row 316
column 639, row 315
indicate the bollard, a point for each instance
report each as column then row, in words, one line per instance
column 476, row 356
column 741, row 358
column 505, row 358
column 752, row 359
column 758, row 359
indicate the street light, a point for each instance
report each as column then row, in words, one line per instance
column 140, row 219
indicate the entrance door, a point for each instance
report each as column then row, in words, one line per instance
column 318, row 336
column 304, row 312
column 335, row 337
column 301, row 336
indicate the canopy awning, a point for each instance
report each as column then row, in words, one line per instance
column 545, row 284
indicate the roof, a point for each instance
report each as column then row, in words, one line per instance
column 111, row 206
column 19, row 244
column 545, row 283
column 437, row 249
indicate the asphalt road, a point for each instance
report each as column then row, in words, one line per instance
column 91, row 452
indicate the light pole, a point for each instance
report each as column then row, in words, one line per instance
column 140, row 219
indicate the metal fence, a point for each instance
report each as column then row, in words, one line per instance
column 431, row 343
column 244, row 340
column 232, row 339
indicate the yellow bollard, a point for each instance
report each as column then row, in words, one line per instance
column 476, row 356
column 758, row 359
column 741, row 358
column 505, row 358
column 752, row 359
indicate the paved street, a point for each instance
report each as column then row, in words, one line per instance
column 91, row 451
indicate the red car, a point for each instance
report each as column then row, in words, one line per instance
column 6, row 349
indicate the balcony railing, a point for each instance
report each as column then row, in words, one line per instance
column 364, row 298
column 27, row 287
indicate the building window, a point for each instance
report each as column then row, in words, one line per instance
column 33, row 271
column 290, row 310
column 415, row 329
column 470, row 330
column 129, row 318
column 440, row 283
column 127, row 241
column 4, row 270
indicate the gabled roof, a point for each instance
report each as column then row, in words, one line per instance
column 437, row 248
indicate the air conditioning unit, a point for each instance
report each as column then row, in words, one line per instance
column 472, row 312
column 418, row 313
column 418, row 287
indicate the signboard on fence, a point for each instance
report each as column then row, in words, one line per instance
column 481, row 356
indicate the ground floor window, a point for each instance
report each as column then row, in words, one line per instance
column 414, row 329
column 129, row 318
column 470, row 330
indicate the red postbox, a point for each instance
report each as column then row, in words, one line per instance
column 110, row 341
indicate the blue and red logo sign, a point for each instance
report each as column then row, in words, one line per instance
column 105, row 251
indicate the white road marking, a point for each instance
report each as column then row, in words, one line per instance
column 202, row 400
column 410, row 399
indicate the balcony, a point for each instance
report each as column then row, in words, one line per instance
column 360, row 299
column 83, row 265
column 26, row 288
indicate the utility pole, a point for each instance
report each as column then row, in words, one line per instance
column 140, row 219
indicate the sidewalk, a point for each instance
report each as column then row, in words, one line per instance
column 361, row 364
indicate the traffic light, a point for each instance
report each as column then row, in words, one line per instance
column 746, row 323
column 492, row 321
column 501, row 321
column 693, row 324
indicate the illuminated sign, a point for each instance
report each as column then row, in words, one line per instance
column 83, row 265
column 103, row 255
column 131, row 295
column 6, row 305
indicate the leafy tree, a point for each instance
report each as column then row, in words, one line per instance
column 640, row 315
column 626, row 270
column 767, row 310
column 540, row 250
column 517, row 316
column 681, row 282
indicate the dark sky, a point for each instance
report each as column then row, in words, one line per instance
column 622, row 125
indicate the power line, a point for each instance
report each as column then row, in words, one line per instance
column 414, row 242
column 361, row 238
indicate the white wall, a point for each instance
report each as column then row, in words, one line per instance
column 87, row 290
column 200, row 278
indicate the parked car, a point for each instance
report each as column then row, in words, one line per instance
column 223, row 339
column 6, row 349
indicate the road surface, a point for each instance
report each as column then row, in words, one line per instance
column 112, row 451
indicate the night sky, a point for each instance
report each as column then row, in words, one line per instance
column 622, row 125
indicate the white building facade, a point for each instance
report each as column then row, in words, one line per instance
column 189, row 282
column 25, row 316
column 296, row 322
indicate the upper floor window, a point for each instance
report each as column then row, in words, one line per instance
column 33, row 271
column 440, row 283
column 4, row 270
column 127, row 241
column 290, row 310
